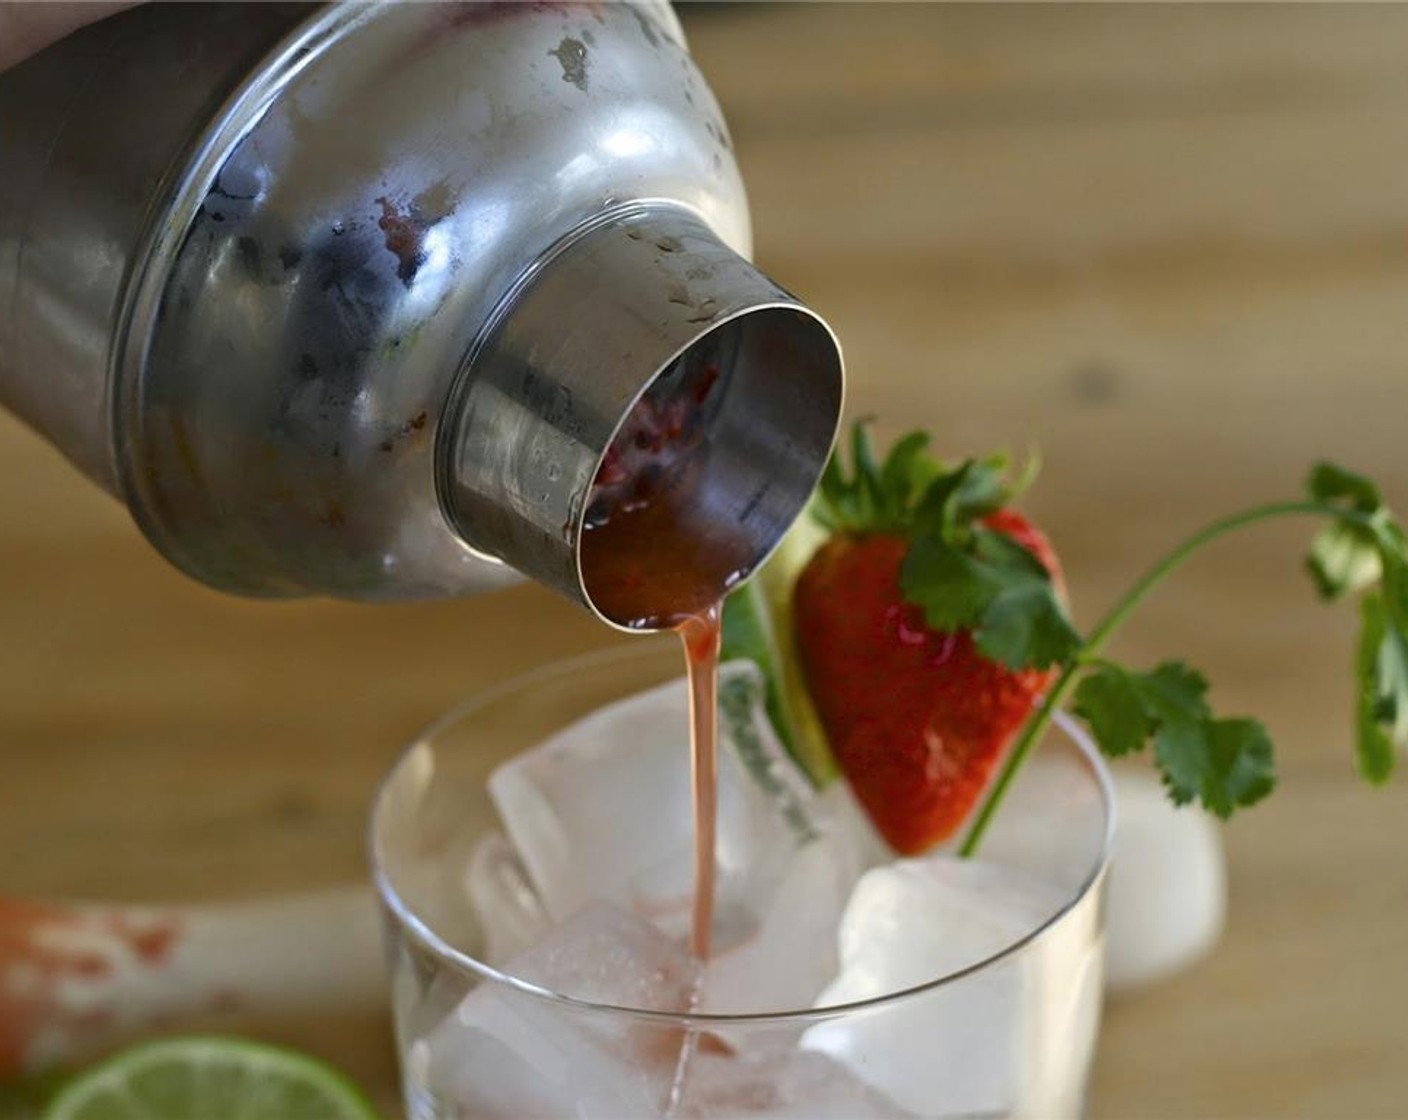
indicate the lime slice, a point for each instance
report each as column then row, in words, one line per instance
column 209, row 1078
column 23, row 1098
column 758, row 628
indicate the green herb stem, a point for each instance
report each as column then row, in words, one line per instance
column 1040, row 720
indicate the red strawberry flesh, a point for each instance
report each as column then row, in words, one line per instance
column 917, row 718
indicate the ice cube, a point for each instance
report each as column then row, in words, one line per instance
column 1000, row 1040
column 510, row 1053
column 790, row 955
column 603, row 809
column 509, row 910
column 606, row 954
column 940, row 914
column 1168, row 883
column 792, row 1083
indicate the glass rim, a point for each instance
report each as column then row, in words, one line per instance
column 413, row 925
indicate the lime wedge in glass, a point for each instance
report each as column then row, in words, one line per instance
column 209, row 1078
column 758, row 628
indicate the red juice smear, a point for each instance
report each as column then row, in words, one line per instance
column 51, row 956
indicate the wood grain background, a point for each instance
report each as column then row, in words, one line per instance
column 1168, row 245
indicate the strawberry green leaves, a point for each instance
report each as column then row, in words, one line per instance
column 1224, row 763
column 874, row 499
column 909, row 489
column 1362, row 551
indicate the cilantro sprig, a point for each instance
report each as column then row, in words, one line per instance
column 1224, row 763
column 962, row 581
column 968, row 576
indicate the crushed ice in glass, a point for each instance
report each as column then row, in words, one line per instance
column 810, row 913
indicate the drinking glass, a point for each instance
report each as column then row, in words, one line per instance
column 1011, row 1034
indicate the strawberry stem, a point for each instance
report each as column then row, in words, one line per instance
column 1040, row 720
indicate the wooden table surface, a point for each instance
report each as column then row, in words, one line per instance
column 1168, row 245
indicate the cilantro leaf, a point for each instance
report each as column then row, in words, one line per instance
column 1241, row 765
column 1109, row 701
column 1391, row 682
column 1173, row 692
column 1363, row 550
column 1024, row 627
column 1375, row 747
column 1329, row 482
column 1389, row 534
column 1180, row 752
column 998, row 590
column 1344, row 557
column 953, row 586
column 1223, row 763
column 1393, row 586
column 1226, row 764
column 1354, row 550
column 1119, row 703
column 1002, row 553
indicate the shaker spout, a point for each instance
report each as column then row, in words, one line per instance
column 642, row 420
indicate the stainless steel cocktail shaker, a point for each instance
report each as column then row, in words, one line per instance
column 352, row 300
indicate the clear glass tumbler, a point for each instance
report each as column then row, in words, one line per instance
column 1009, row 1032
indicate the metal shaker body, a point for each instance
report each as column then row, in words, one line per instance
column 350, row 301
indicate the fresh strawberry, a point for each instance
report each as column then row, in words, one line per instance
column 916, row 715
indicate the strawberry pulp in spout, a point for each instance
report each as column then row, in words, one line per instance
column 651, row 556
